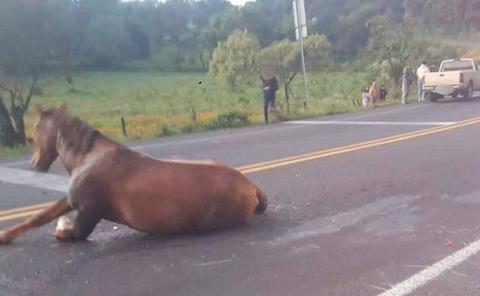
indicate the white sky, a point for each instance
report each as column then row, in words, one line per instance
column 240, row 2
column 234, row 2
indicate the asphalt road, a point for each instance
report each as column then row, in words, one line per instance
column 397, row 216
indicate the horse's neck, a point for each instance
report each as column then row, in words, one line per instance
column 73, row 160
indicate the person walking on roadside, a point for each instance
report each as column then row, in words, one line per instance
column 270, row 86
column 366, row 98
column 421, row 72
column 373, row 92
column 407, row 80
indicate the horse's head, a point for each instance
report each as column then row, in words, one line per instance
column 45, row 138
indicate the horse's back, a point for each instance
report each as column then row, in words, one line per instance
column 177, row 196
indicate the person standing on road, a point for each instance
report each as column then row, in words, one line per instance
column 421, row 72
column 407, row 80
column 270, row 86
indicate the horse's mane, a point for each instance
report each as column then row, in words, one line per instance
column 77, row 135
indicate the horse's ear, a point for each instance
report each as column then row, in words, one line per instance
column 39, row 109
column 62, row 107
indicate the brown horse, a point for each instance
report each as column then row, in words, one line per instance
column 110, row 181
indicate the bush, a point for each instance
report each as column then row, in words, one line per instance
column 166, row 130
column 230, row 119
column 234, row 61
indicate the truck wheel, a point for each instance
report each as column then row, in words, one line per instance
column 431, row 97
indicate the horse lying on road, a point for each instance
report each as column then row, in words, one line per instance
column 109, row 181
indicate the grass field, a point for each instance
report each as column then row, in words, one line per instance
column 156, row 104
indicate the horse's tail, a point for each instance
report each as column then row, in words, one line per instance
column 262, row 202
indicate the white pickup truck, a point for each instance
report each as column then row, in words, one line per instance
column 455, row 77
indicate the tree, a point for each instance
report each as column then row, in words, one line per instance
column 206, row 10
column 343, row 22
column 206, row 36
column 268, row 20
column 391, row 47
column 445, row 14
column 284, row 56
column 205, row 42
column 318, row 51
column 175, row 23
column 105, row 40
column 473, row 15
column 32, row 37
column 234, row 61
column 138, row 25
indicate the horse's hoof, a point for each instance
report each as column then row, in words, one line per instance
column 64, row 230
column 63, row 235
column 64, row 223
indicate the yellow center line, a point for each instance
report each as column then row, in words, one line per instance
column 268, row 165
column 351, row 148
column 18, row 215
column 25, row 209
column 361, row 144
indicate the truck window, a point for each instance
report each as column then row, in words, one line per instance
column 457, row 66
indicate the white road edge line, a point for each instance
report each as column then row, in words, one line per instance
column 34, row 179
column 297, row 122
column 181, row 142
column 212, row 262
column 400, row 123
column 430, row 273
column 368, row 114
column 154, row 145
column 15, row 163
column 210, row 139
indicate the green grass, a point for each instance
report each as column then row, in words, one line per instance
column 156, row 104
column 13, row 152
column 127, row 93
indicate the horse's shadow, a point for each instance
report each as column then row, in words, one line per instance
column 112, row 240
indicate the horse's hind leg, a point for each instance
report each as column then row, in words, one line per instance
column 54, row 211
column 80, row 229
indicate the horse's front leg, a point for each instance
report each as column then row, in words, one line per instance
column 54, row 211
column 79, row 229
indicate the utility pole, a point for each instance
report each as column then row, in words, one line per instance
column 300, row 20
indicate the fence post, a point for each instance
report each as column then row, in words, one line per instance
column 124, row 127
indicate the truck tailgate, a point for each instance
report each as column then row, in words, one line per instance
column 442, row 78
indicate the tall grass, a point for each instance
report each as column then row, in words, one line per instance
column 156, row 104
column 12, row 152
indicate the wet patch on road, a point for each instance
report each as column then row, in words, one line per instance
column 467, row 198
column 401, row 219
column 332, row 224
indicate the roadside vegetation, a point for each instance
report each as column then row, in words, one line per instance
column 177, row 66
column 155, row 104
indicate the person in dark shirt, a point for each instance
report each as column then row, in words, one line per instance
column 270, row 86
column 383, row 93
